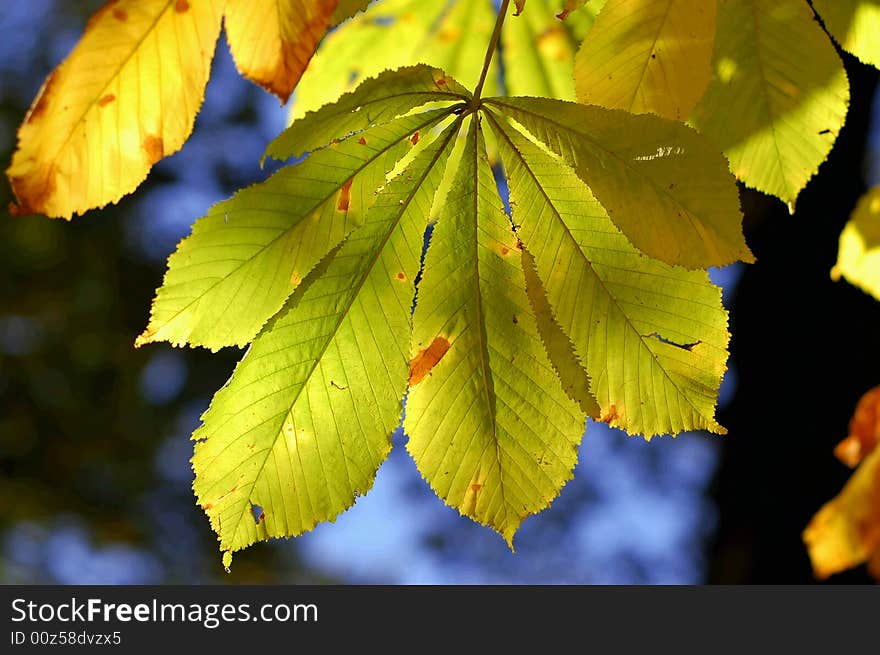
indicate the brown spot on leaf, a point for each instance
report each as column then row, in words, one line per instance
column 515, row 319
column 424, row 362
column 401, row 276
column 362, row 141
column 207, row 506
column 295, row 279
column 519, row 245
column 344, row 202
column 441, row 82
column 610, row 415
column 43, row 98
column 106, row 100
column 476, row 488
column 154, row 147
column 181, row 6
column 120, row 14
column 414, row 139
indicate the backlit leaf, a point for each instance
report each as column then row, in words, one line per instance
column 395, row 33
column 376, row 100
column 645, row 166
column 855, row 25
column 647, row 56
column 306, row 419
column 111, row 110
column 778, row 95
column 538, row 54
column 249, row 253
column 845, row 532
column 573, row 376
column 272, row 41
column 652, row 336
column 490, row 426
column 858, row 258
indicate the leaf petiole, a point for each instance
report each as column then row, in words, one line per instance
column 490, row 51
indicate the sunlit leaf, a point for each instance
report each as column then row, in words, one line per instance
column 376, row 100
column 573, row 376
column 112, row 109
column 778, row 95
column 249, row 253
column 490, row 427
column 858, row 258
column 845, row 532
column 645, row 166
column 647, row 56
column 538, row 54
column 855, row 24
column 653, row 337
column 272, row 41
column 306, row 419
column 395, row 33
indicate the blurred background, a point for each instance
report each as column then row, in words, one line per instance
column 94, row 435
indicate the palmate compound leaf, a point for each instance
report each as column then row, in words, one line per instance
column 245, row 257
column 653, row 336
column 490, row 426
column 858, row 258
column 855, row 25
column 272, row 41
column 107, row 113
column 778, row 96
column 499, row 369
column 306, row 419
column 663, row 184
column 647, row 56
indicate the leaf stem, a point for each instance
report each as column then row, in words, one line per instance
column 490, row 51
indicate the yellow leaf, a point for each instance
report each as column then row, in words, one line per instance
column 864, row 430
column 778, row 96
column 272, row 41
column 648, row 57
column 858, row 257
column 115, row 106
column 846, row 531
column 855, row 24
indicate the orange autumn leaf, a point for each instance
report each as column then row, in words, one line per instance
column 845, row 532
column 272, row 41
column 113, row 108
column 864, row 430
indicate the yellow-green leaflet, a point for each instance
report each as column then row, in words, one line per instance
column 537, row 49
column 490, row 427
column 648, row 56
column 376, row 100
column 858, row 259
column 538, row 54
column 855, row 25
column 653, row 337
column 245, row 257
column 306, row 419
column 664, row 185
column 778, row 95
column 572, row 374
column 394, row 33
